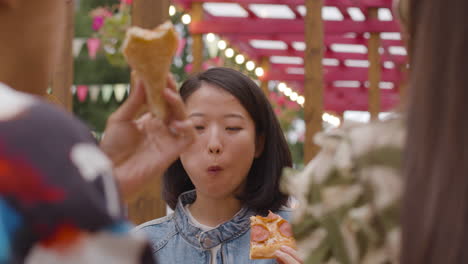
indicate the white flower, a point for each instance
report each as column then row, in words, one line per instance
column 92, row 163
column 13, row 103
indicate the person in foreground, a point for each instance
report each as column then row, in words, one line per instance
column 435, row 207
column 350, row 193
column 59, row 202
column 356, row 206
column 229, row 174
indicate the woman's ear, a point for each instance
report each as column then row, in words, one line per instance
column 259, row 145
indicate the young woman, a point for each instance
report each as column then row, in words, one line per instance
column 230, row 173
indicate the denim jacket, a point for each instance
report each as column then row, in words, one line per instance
column 175, row 240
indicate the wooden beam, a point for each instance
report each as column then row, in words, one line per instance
column 197, row 46
column 374, row 69
column 313, row 86
column 333, row 74
column 220, row 25
column 62, row 78
column 337, row 3
column 265, row 64
column 397, row 59
column 328, row 39
column 149, row 205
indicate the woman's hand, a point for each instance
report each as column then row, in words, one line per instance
column 287, row 255
column 143, row 149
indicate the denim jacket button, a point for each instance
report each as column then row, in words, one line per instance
column 207, row 243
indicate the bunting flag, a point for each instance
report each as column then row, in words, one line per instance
column 77, row 46
column 107, row 91
column 94, row 91
column 120, row 91
column 82, row 92
column 93, row 47
column 181, row 46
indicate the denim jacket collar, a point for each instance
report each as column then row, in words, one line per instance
column 229, row 230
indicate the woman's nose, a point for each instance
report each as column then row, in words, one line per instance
column 214, row 144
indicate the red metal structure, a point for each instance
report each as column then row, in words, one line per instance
column 346, row 26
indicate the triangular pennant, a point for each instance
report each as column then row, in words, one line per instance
column 94, row 93
column 93, row 47
column 82, row 92
column 119, row 91
column 77, row 46
column 107, row 91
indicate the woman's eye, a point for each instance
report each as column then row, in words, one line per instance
column 233, row 128
column 199, row 127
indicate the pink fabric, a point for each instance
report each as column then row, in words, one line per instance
column 93, row 47
column 82, row 92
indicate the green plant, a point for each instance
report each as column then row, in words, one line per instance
column 112, row 35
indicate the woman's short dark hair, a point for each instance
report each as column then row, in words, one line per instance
column 262, row 192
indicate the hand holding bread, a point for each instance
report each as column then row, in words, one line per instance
column 143, row 146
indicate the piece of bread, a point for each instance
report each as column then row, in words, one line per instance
column 268, row 234
column 149, row 53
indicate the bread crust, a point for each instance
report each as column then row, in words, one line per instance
column 149, row 53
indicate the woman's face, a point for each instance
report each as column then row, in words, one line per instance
column 220, row 159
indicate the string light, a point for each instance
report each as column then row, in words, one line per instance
column 222, row 45
column 300, row 100
column 294, row 96
column 210, row 37
column 229, row 53
column 259, row 71
column 282, row 87
column 186, row 19
column 240, row 59
column 250, row 65
column 172, row 10
column 331, row 119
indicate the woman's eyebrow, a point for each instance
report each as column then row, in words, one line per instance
column 234, row 116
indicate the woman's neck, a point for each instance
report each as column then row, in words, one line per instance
column 213, row 212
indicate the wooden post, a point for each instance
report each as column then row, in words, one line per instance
column 265, row 65
column 374, row 69
column 404, row 81
column 313, row 86
column 62, row 79
column 149, row 205
column 197, row 45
